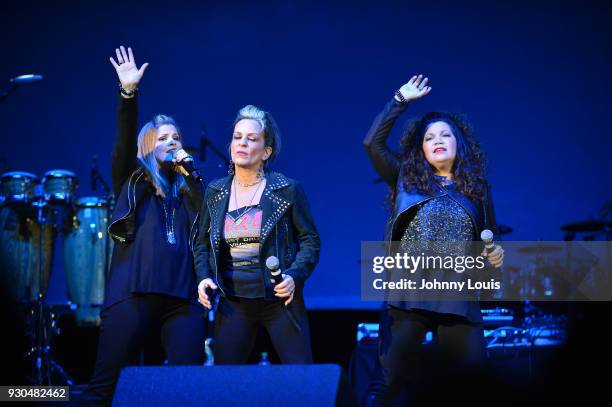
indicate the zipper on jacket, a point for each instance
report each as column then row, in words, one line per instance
column 214, row 253
column 191, row 234
column 121, row 239
column 216, row 268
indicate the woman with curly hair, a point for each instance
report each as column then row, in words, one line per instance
column 439, row 195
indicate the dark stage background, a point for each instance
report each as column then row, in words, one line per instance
column 533, row 77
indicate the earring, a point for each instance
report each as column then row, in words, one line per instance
column 230, row 168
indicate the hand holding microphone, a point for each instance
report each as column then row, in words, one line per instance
column 494, row 252
column 184, row 164
column 205, row 290
column 284, row 286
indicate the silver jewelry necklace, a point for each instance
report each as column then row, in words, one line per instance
column 169, row 217
column 249, row 185
column 240, row 217
column 170, row 224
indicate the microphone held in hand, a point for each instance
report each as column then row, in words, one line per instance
column 487, row 237
column 273, row 265
column 188, row 165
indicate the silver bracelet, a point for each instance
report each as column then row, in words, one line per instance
column 401, row 97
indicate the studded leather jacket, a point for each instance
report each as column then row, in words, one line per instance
column 287, row 231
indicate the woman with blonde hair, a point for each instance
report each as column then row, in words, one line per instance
column 151, row 288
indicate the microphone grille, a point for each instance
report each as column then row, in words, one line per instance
column 486, row 235
column 272, row 263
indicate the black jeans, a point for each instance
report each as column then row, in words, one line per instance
column 460, row 348
column 236, row 323
column 127, row 324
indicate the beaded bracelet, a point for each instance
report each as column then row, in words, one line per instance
column 127, row 92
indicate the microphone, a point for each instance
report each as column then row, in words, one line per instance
column 26, row 78
column 487, row 237
column 273, row 265
column 188, row 166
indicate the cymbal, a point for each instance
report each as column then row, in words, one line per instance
column 504, row 229
column 587, row 226
column 539, row 248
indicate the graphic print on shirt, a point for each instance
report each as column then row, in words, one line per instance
column 241, row 234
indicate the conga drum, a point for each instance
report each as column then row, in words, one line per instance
column 87, row 250
column 17, row 187
column 26, row 252
column 59, row 187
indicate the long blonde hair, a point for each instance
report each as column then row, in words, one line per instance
column 146, row 155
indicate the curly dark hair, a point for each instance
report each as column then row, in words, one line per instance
column 469, row 166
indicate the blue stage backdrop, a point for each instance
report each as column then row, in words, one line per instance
column 534, row 78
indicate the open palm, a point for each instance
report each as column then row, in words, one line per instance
column 125, row 66
column 415, row 88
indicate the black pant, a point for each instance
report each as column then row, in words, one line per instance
column 127, row 324
column 236, row 324
column 460, row 348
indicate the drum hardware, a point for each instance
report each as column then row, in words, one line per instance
column 44, row 324
column 96, row 177
column 14, row 83
column 602, row 226
column 589, row 226
column 504, row 229
column 29, row 219
column 539, row 249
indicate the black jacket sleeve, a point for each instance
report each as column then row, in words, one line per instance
column 196, row 191
column 201, row 248
column 489, row 212
column 491, row 224
column 126, row 148
column 385, row 161
column 309, row 242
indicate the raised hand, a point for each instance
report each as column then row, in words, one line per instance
column 415, row 88
column 127, row 71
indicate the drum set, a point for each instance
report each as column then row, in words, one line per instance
column 560, row 270
column 33, row 215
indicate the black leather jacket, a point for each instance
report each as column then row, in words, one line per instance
column 287, row 232
column 387, row 164
column 130, row 183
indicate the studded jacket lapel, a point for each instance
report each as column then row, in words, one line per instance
column 273, row 204
column 217, row 205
